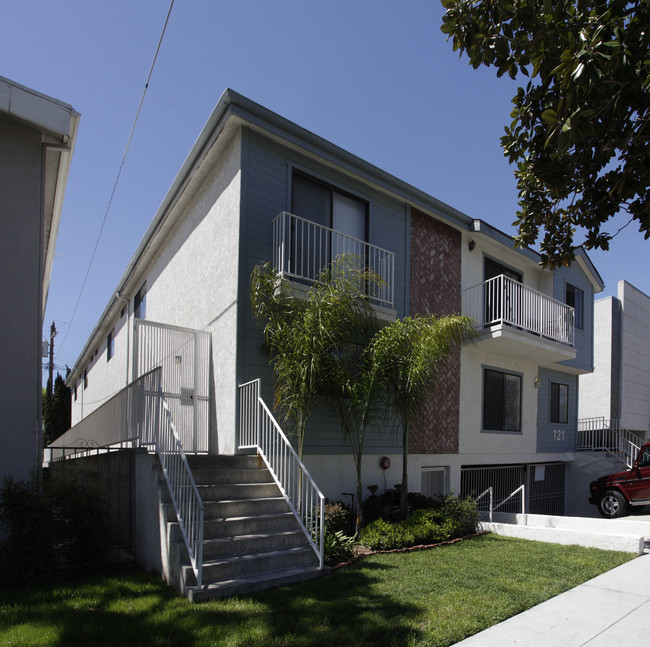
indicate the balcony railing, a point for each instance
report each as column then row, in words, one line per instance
column 301, row 249
column 503, row 300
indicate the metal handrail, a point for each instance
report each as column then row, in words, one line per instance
column 259, row 430
column 183, row 492
column 502, row 300
column 301, row 249
column 140, row 415
column 490, row 491
column 599, row 434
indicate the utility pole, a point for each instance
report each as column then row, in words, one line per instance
column 51, row 382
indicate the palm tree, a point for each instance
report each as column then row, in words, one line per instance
column 305, row 332
column 408, row 354
column 358, row 393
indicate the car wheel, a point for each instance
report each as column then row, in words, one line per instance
column 612, row 504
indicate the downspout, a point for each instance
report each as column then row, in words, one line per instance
column 128, row 333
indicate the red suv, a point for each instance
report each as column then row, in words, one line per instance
column 613, row 494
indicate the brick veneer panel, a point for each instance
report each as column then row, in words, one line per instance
column 436, row 289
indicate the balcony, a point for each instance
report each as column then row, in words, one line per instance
column 521, row 322
column 301, row 249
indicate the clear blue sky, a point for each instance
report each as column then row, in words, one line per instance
column 375, row 77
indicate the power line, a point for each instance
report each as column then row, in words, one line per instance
column 119, row 173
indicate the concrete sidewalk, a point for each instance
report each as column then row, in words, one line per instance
column 611, row 610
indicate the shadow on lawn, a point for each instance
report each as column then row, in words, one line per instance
column 345, row 608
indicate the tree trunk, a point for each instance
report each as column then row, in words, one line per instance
column 403, row 504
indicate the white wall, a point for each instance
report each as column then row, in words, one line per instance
column 635, row 355
column 191, row 281
column 595, row 393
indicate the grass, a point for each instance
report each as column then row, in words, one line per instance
column 434, row 597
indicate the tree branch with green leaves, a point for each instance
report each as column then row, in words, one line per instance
column 579, row 134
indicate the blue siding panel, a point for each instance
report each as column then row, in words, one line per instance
column 574, row 275
column 267, row 193
column 553, row 437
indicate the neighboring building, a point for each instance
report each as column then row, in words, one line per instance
column 37, row 138
column 619, row 388
column 506, row 406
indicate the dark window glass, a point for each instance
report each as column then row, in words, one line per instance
column 559, row 403
column 140, row 303
column 501, row 401
column 575, row 298
column 110, row 345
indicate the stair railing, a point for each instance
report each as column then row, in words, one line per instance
column 183, row 492
column 259, row 430
column 601, row 434
column 493, row 508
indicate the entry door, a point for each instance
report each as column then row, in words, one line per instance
column 184, row 355
column 501, row 304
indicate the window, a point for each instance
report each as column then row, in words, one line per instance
column 140, row 303
column 559, row 403
column 75, row 392
column 85, row 378
column 501, row 401
column 110, row 345
column 323, row 205
column 433, row 481
column 575, row 298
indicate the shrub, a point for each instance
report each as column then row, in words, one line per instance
column 449, row 518
column 50, row 529
column 339, row 547
column 337, row 517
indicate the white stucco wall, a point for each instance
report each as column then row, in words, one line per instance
column 105, row 378
column 595, row 394
column 191, row 281
column 635, row 356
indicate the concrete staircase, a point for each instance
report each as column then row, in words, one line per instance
column 252, row 540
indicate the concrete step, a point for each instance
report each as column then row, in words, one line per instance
column 252, row 583
column 242, row 566
column 253, row 544
column 221, row 527
column 238, row 491
column 231, row 476
column 247, row 525
column 239, row 461
column 244, row 507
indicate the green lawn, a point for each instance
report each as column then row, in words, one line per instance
column 432, row 597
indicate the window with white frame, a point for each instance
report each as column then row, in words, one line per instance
column 501, row 400
column 433, row 481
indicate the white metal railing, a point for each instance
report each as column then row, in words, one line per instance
column 490, row 492
column 301, row 249
column 502, row 300
column 140, row 415
column 259, row 430
column 601, row 434
column 119, row 421
column 183, row 492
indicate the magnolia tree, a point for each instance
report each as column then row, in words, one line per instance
column 579, row 134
